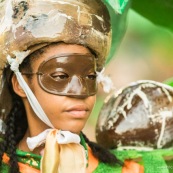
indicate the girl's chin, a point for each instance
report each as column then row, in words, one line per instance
column 73, row 127
column 72, row 130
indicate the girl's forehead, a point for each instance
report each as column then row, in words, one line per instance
column 60, row 49
column 66, row 48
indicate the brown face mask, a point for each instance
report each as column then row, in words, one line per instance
column 68, row 75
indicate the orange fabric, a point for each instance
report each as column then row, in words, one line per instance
column 5, row 158
column 92, row 162
column 27, row 169
column 24, row 168
column 132, row 167
column 129, row 165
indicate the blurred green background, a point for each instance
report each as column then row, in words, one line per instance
column 146, row 52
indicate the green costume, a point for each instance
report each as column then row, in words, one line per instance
column 152, row 161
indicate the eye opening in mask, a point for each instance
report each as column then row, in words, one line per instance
column 59, row 76
column 68, row 74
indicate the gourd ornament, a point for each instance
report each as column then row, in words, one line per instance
column 137, row 121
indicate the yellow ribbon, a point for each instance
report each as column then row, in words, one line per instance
column 62, row 158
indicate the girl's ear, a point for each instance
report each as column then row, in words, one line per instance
column 16, row 87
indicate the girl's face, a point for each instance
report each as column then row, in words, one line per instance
column 64, row 112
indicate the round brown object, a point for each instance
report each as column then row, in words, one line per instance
column 140, row 115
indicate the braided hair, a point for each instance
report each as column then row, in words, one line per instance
column 102, row 154
column 16, row 120
column 16, row 124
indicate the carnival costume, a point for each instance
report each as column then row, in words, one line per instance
column 27, row 26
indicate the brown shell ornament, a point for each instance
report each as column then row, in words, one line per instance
column 137, row 116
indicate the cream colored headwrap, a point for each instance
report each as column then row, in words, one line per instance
column 27, row 23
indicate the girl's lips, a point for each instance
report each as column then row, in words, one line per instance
column 78, row 111
column 77, row 108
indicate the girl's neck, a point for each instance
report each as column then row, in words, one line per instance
column 24, row 147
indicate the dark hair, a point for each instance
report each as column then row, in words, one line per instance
column 16, row 124
column 103, row 154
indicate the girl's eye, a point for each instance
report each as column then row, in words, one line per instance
column 92, row 76
column 59, row 76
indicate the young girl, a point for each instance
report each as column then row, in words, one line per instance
column 52, row 52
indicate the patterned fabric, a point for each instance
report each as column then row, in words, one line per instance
column 152, row 161
column 29, row 158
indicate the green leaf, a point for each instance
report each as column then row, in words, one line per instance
column 160, row 12
column 118, row 10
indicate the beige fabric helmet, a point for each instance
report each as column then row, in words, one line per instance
column 30, row 24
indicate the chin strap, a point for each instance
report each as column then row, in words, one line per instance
column 14, row 65
column 63, row 152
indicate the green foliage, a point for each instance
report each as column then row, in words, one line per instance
column 118, row 12
column 160, row 12
column 169, row 82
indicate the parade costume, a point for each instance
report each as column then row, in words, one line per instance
column 29, row 26
column 29, row 162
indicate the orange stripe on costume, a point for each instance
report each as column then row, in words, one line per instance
column 24, row 168
column 132, row 167
column 129, row 165
column 92, row 162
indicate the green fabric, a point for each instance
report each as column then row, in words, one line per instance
column 29, row 158
column 104, row 168
column 118, row 10
column 83, row 143
column 160, row 12
column 170, row 166
column 4, row 168
column 118, row 5
column 169, row 81
column 154, row 163
column 34, row 161
column 26, row 158
column 151, row 160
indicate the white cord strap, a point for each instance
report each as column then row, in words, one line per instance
column 105, row 81
column 14, row 64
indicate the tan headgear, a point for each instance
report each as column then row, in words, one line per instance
column 30, row 24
